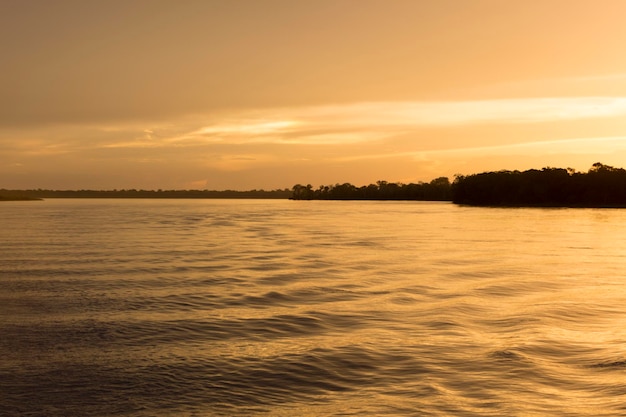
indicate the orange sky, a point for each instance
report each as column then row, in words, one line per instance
column 269, row 93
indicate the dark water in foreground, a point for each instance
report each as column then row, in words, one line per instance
column 283, row 308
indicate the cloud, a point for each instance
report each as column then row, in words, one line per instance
column 247, row 128
column 338, row 124
column 572, row 146
column 594, row 146
column 447, row 113
column 367, row 121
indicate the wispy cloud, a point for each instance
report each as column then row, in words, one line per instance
column 574, row 146
column 595, row 145
column 414, row 114
column 338, row 124
column 248, row 128
column 359, row 122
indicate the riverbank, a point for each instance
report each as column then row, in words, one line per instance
column 20, row 199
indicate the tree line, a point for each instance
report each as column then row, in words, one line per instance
column 133, row 193
column 601, row 186
column 438, row 189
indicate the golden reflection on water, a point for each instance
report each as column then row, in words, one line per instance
column 312, row 308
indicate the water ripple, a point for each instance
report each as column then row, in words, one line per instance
column 201, row 308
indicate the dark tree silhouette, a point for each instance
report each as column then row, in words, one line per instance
column 133, row 193
column 601, row 186
column 437, row 190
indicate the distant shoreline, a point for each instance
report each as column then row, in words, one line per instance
column 40, row 194
column 603, row 186
column 20, row 199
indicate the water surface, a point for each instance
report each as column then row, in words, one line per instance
column 275, row 307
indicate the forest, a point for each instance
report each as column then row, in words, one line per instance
column 601, row 186
column 435, row 190
column 132, row 193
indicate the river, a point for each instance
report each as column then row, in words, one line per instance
column 310, row 308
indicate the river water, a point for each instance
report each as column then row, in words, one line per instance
column 319, row 308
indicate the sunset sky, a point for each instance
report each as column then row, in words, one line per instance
column 237, row 94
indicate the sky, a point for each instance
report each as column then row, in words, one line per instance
column 265, row 94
